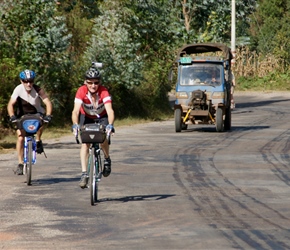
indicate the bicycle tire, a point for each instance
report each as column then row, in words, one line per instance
column 95, row 184
column 29, row 163
column 97, row 172
column 92, row 178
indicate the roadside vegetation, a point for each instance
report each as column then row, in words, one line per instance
column 137, row 43
column 259, row 72
column 8, row 137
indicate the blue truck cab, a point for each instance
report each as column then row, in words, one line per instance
column 203, row 86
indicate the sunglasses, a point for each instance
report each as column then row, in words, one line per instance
column 91, row 83
column 27, row 81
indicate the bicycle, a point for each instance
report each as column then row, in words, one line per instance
column 31, row 123
column 94, row 134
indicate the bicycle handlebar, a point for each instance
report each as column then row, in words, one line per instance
column 37, row 115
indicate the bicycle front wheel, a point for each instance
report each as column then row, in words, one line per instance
column 29, row 163
column 93, row 183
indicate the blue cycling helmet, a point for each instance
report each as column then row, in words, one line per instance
column 27, row 75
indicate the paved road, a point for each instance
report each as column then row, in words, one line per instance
column 197, row 189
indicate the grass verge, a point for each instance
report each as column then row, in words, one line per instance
column 8, row 140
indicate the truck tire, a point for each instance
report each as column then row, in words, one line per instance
column 219, row 123
column 228, row 119
column 177, row 118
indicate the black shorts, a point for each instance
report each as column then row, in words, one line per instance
column 85, row 120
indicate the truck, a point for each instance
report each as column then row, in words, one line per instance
column 203, row 87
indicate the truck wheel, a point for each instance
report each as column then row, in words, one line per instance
column 219, row 123
column 177, row 118
column 228, row 119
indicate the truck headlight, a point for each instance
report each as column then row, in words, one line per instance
column 218, row 95
column 181, row 95
column 208, row 95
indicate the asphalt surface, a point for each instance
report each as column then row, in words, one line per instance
column 197, row 189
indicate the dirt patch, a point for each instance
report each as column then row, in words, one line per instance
column 6, row 236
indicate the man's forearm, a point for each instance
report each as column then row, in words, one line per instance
column 74, row 118
column 10, row 109
column 111, row 117
column 48, row 106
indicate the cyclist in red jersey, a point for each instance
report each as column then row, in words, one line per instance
column 93, row 103
column 28, row 98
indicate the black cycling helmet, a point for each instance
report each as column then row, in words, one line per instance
column 93, row 73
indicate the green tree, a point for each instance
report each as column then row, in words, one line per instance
column 37, row 38
column 134, row 41
column 7, row 78
column 208, row 20
column 112, row 44
column 270, row 29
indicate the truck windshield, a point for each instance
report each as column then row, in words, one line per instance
column 200, row 74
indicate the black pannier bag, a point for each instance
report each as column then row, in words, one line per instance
column 93, row 133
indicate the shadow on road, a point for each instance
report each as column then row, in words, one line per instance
column 61, row 145
column 139, row 198
column 50, row 181
column 212, row 129
column 58, row 145
column 260, row 103
column 247, row 128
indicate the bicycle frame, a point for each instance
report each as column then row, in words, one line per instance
column 31, row 124
column 27, row 139
column 29, row 156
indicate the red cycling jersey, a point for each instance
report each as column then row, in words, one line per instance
column 90, row 109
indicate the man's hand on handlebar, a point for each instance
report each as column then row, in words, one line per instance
column 47, row 118
column 110, row 129
column 13, row 118
column 75, row 129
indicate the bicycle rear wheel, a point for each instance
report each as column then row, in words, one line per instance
column 93, row 183
column 29, row 163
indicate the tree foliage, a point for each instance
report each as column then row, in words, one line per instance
column 35, row 37
column 133, row 44
column 209, row 20
column 270, row 29
column 136, row 41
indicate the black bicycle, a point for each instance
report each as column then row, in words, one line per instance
column 94, row 134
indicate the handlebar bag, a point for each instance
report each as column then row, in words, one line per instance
column 93, row 133
column 31, row 124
